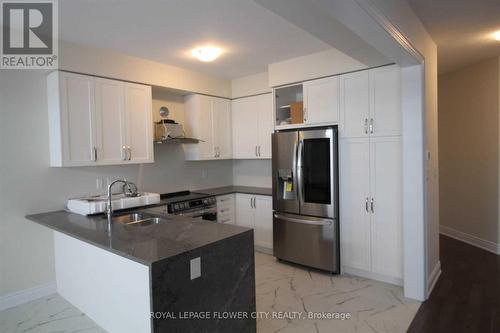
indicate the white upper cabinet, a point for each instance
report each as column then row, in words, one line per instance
column 355, row 105
column 245, row 125
column 208, row 119
column 321, row 101
column 222, row 128
column 252, row 126
column 371, row 103
column 72, row 119
column 95, row 121
column 110, row 129
column 311, row 103
column 385, row 101
column 265, row 117
column 138, row 122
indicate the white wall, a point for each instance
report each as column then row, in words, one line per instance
column 112, row 64
column 312, row 66
column 252, row 173
column 469, row 150
column 29, row 185
column 250, row 85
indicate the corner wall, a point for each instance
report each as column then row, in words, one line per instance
column 469, row 151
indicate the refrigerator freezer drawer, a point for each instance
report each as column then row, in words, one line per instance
column 307, row 241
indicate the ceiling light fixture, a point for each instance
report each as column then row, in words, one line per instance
column 496, row 35
column 206, row 53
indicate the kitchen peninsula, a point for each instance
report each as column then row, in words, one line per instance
column 146, row 278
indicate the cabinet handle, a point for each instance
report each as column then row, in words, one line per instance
column 372, row 205
column 124, row 153
column 371, row 125
column 259, row 151
column 251, row 202
column 95, row 153
column 129, row 153
column 305, row 114
column 366, row 125
column 256, row 154
column 366, row 205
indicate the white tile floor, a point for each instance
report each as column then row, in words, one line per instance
column 373, row 306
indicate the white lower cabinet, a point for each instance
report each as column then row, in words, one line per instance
column 226, row 209
column 371, row 207
column 256, row 211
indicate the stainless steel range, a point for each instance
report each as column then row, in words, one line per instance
column 191, row 204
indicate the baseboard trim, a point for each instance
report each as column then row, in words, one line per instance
column 470, row 239
column 372, row 276
column 27, row 295
column 433, row 278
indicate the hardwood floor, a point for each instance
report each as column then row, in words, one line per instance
column 467, row 296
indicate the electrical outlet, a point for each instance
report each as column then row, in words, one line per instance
column 195, row 268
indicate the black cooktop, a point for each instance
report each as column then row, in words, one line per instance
column 182, row 196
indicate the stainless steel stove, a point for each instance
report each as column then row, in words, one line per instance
column 191, row 204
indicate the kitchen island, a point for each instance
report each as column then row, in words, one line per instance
column 178, row 275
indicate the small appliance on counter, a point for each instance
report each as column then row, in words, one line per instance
column 97, row 204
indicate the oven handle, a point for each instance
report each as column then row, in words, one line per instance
column 199, row 213
column 317, row 221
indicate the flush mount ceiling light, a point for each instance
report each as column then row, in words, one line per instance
column 206, row 53
column 496, row 35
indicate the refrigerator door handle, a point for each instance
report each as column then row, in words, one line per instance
column 300, row 182
column 317, row 221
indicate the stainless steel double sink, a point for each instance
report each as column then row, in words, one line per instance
column 139, row 219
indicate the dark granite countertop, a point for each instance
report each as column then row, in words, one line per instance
column 237, row 189
column 143, row 244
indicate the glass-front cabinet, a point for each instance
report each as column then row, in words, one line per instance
column 289, row 106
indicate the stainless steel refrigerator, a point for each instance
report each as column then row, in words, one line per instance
column 305, row 197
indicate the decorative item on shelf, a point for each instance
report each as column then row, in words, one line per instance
column 297, row 113
column 169, row 131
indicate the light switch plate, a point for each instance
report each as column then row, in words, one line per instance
column 195, row 268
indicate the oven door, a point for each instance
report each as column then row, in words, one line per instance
column 317, row 172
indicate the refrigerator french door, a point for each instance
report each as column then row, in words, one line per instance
column 305, row 197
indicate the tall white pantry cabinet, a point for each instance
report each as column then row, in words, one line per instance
column 371, row 174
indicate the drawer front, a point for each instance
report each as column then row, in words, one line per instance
column 226, row 209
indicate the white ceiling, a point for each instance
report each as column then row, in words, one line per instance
column 165, row 31
column 461, row 28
